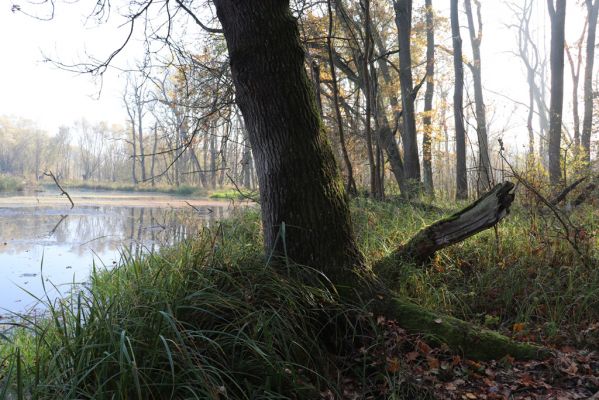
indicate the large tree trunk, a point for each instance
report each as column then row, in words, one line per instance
column 481, row 119
column 403, row 21
column 304, row 207
column 557, row 16
column 587, row 120
column 458, row 107
column 427, row 157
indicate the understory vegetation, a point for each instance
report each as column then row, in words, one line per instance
column 10, row 184
column 181, row 190
column 212, row 318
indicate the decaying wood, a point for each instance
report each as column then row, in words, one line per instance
column 461, row 336
column 586, row 193
column 564, row 193
column 484, row 213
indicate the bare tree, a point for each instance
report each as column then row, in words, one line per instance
column 557, row 15
column 575, row 72
column 476, row 36
column 587, row 121
column 403, row 21
column 458, row 108
column 427, row 156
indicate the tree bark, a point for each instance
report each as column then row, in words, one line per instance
column 587, row 120
column 366, row 77
column 557, row 16
column 403, row 21
column 427, row 157
column 142, row 156
column 575, row 74
column 458, row 107
column 304, row 207
column 481, row 119
column 350, row 183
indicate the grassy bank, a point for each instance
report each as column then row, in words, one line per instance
column 181, row 190
column 210, row 319
column 233, row 194
column 10, row 184
column 527, row 280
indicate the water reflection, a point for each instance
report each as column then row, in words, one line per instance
column 62, row 246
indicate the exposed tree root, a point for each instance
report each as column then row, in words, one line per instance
column 461, row 336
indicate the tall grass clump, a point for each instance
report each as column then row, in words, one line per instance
column 207, row 319
column 10, row 184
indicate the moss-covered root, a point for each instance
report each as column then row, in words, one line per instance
column 469, row 339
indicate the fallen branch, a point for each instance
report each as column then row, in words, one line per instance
column 585, row 194
column 62, row 191
column 562, row 196
column 484, row 213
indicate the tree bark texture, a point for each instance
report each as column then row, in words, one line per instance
column 403, row 20
column 485, row 177
column 587, row 120
column 427, row 137
column 458, row 105
column 484, row 213
column 557, row 16
column 305, row 213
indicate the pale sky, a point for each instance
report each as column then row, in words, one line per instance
column 40, row 91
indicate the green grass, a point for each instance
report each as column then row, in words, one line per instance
column 181, row 190
column 232, row 194
column 532, row 276
column 207, row 319
column 10, row 184
column 210, row 319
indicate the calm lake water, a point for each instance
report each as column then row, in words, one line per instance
column 43, row 240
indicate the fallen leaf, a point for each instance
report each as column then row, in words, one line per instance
column 423, row 347
column 393, row 365
column 433, row 362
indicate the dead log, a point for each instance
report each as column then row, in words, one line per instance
column 562, row 196
column 467, row 338
column 586, row 193
column 484, row 213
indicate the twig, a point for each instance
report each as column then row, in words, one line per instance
column 251, row 197
column 63, row 192
column 565, row 224
column 210, row 210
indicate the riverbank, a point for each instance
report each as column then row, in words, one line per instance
column 210, row 318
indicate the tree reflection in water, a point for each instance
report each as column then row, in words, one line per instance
column 71, row 242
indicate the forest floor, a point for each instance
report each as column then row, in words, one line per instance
column 207, row 319
column 439, row 373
